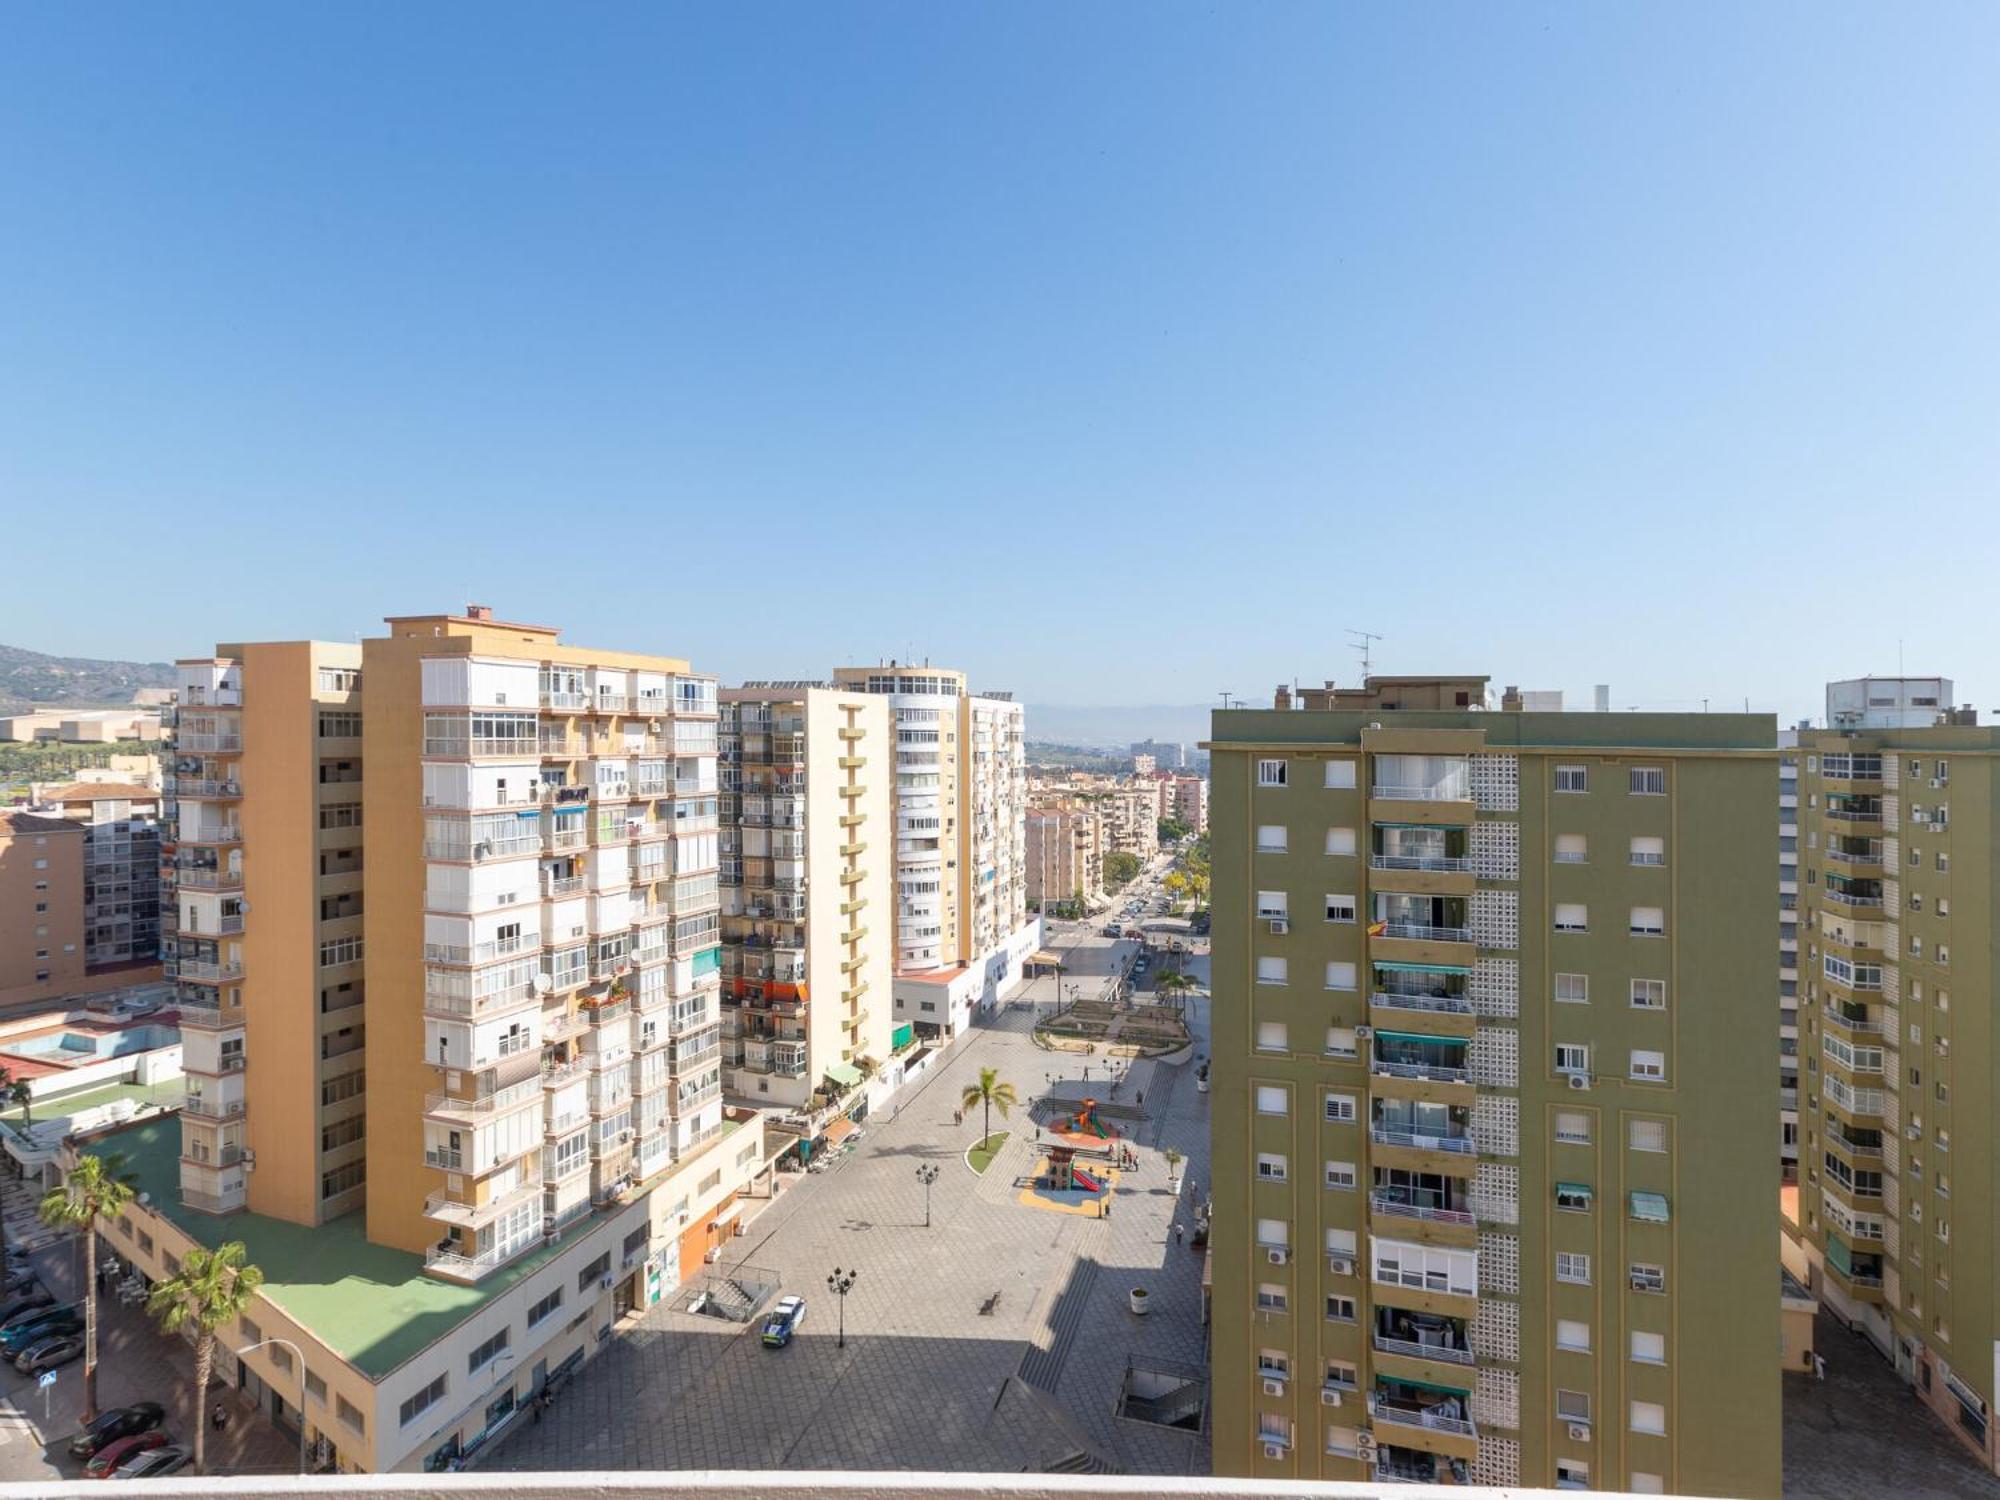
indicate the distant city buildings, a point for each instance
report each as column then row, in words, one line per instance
column 1166, row 755
column 82, row 726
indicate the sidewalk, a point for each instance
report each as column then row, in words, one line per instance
column 135, row 1363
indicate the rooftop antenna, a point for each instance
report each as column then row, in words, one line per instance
column 1225, row 695
column 1363, row 642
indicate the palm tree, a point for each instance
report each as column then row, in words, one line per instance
column 1175, row 986
column 97, row 1187
column 19, row 1093
column 1174, row 1160
column 986, row 1093
column 213, row 1287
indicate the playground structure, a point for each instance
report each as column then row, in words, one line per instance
column 1063, row 1174
column 1086, row 1122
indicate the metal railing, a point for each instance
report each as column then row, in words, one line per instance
column 1450, row 1005
column 205, row 879
column 441, row 1103
column 1383, row 1067
column 479, row 953
column 1854, row 857
column 1407, row 1415
column 1412, row 1350
column 202, row 972
column 1417, row 933
column 212, row 1109
column 1385, row 1203
column 1855, row 815
column 1849, row 898
column 1416, row 1141
column 1443, row 863
column 1443, row 791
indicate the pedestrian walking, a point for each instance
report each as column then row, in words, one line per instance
column 1180, row 1234
column 219, row 1419
column 1142, row 1096
column 1819, row 1369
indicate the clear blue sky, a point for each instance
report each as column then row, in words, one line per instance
column 1120, row 354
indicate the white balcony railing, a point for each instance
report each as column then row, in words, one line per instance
column 1410, row 1349
column 1386, row 1203
column 1412, row 1140
column 1416, row 932
column 1442, row 863
column 1442, row 791
column 1407, row 1414
column 1449, row 1005
column 1383, row 1067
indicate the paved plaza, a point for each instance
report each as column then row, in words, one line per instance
column 929, row 1379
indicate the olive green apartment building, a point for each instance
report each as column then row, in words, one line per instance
column 1493, row 1091
column 1897, row 1080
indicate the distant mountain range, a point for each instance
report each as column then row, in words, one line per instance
column 28, row 680
column 1118, row 728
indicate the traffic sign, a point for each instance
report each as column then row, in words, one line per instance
column 48, row 1378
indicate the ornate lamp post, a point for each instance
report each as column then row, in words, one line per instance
column 840, row 1283
column 927, row 1174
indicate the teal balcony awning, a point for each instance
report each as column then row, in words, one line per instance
column 1418, row 1036
column 1650, row 1208
column 1400, row 968
column 1573, row 1190
column 1425, row 1385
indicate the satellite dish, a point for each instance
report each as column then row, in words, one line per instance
column 144, row 1199
column 243, row 907
column 543, row 984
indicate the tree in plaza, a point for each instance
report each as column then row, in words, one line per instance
column 1174, row 986
column 212, row 1288
column 985, row 1094
column 97, row 1187
column 1119, row 867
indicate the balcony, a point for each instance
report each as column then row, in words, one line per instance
column 1864, row 900
column 212, row 1109
column 1402, row 1412
column 227, row 742
column 204, row 878
column 479, row 953
column 441, row 1105
column 1395, row 1202
column 1868, row 855
column 199, row 787
column 1426, row 1070
column 1454, row 789
column 449, row 1265
column 1868, row 811
column 202, row 971
column 1446, row 864
column 1858, row 1025
column 448, row 1210
column 1411, row 1349
column 1396, row 1139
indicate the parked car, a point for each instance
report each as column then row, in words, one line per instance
column 784, row 1322
column 49, row 1353
column 118, row 1422
column 18, row 1278
column 112, row 1455
column 23, row 1303
column 154, row 1465
column 48, row 1325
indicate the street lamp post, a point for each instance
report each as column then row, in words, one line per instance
column 301, row 1360
column 840, row 1283
column 927, row 1174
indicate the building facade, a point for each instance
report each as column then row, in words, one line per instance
column 467, row 919
column 1065, row 855
column 1490, row 1035
column 808, row 872
column 41, row 908
column 1191, row 802
column 121, row 868
column 1896, row 1101
column 1788, row 954
column 1165, row 754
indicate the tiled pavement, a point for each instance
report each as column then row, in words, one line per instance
column 925, row 1380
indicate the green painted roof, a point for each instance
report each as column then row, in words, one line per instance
column 844, row 1074
column 371, row 1305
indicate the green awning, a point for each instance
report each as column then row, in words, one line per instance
column 1650, row 1207
column 1425, row 1385
column 844, row 1074
column 1420, row 825
column 1418, row 1036
column 1573, row 1189
column 1383, row 963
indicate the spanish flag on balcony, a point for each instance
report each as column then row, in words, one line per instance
column 1376, row 929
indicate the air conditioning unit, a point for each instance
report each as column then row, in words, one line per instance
column 1274, row 1450
column 1579, row 1080
column 1339, row 1265
column 1364, row 1447
column 605, row 1284
column 1281, row 925
column 1277, row 1256
column 1274, row 1387
column 1329, row 1398
column 1363, row 1033
column 1580, row 1431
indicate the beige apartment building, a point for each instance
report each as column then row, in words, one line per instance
column 1899, row 804
column 41, row 908
column 1492, row 1073
column 808, row 893
column 121, row 869
column 446, row 940
column 1065, row 854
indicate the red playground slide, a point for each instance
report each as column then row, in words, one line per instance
column 1085, row 1181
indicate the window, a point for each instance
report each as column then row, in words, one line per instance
column 1343, row 1442
column 1572, row 1057
column 252, row 1333
column 1340, row 841
column 422, row 1402
column 1272, row 905
column 1339, row 975
column 1573, row 1127
column 1572, row 916
column 546, row 1307
column 1649, row 851
column 1271, row 1297
column 485, row 1351
column 1271, row 1167
column 1649, row 1208
column 1648, row 1416
column 1572, row 849
column 1341, row 1042
column 1270, row 970
column 1425, row 1268
column 1572, row 1474
column 1573, row 1197
column 1340, row 908
column 1649, row 1067
column 1647, row 1278
column 589, row 1276
column 1340, row 1176
column 1572, row 1335
column 1648, row 781
column 1649, row 1348
column 342, row 1179
column 279, row 1355
column 1647, row 1484
column 1649, row 921
column 1573, row 1406
column 1340, row 776
column 1572, row 778
column 1339, row 1309
column 1647, row 1135
column 1573, row 989
column 1271, row 1099
column 1340, row 1109
column 350, row 1414
column 1271, row 772
column 316, row 1387
column 1649, row 994
column 1272, row 838
column 1272, row 1037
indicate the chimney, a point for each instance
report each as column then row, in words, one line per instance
column 479, row 611
column 1282, row 699
column 1510, row 700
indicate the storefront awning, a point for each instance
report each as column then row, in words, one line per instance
column 839, row 1131
column 845, row 1074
